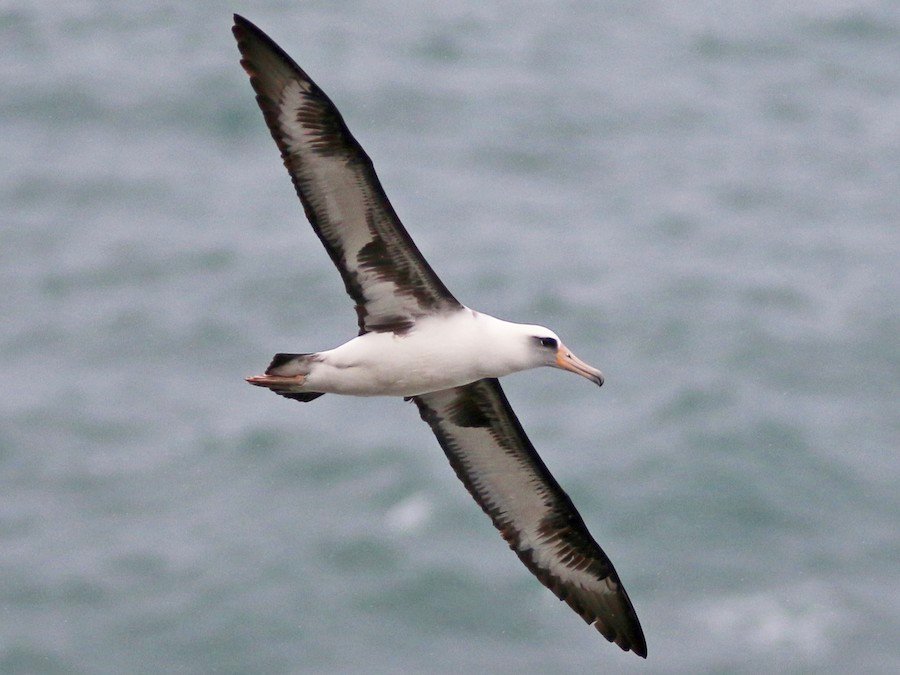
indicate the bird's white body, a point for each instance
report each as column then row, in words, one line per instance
column 437, row 353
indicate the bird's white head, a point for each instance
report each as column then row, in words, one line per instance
column 546, row 349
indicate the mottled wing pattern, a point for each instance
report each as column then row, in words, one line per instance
column 383, row 271
column 493, row 457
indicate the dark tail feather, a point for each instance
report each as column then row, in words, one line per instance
column 293, row 365
column 304, row 397
column 279, row 361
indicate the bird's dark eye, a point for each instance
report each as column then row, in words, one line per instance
column 548, row 342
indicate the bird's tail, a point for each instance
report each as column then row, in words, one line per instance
column 286, row 376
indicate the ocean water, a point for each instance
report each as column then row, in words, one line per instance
column 702, row 199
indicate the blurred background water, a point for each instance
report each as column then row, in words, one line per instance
column 700, row 198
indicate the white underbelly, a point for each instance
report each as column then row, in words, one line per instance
column 391, row 377
column 374, row 382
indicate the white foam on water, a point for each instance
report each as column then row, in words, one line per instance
column 409, row 515
column 801, row 619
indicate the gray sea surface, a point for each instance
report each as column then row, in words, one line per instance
column 701, row 198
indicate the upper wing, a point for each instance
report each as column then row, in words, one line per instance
column 387, row 277
column 497, row 463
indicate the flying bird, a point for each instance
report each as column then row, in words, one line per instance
column 418, row 341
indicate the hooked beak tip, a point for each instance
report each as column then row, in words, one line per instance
column 568, row 361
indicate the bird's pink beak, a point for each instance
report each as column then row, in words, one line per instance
column 568, row 361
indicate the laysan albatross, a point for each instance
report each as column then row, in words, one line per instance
column 417, row 341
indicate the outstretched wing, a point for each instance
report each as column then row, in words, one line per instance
column 383, row 271
column 493, row 457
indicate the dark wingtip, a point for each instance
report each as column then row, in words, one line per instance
column 239, row 24
column 630, row 641
column 243, row 26
column 639, row 647
column 635, row 642
column 238, row 30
